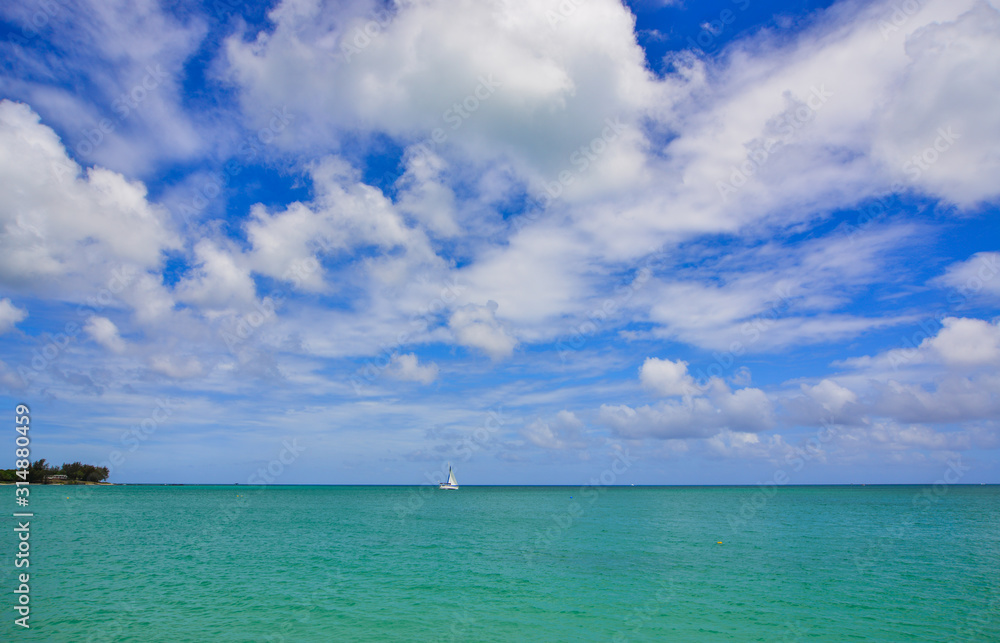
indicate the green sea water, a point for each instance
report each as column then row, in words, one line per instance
column 204, row 563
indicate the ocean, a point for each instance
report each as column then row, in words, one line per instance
column 291, row 564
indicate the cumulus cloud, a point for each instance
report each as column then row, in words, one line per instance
column 562, row 432
column 519, row 89
column 746, row 410
column 345, row 214
column 960, row 342
column 948, row 398
column 884, row 442
column 937, row 398
column 787, row 107
column 966, row 342
column 426, row 196
column 942, row 141
column 10, row 315
column 218, row 281
column 151, row 301
column 950, row 376
column 175, row 367
column 830, row 395
column 477, row 327
column 888, row 442
column 890, row 435
column 741, row 445
column 819, row 121
column 539, row 276
column 103, row 331
column 59, row 222
column 974, row 278
column 665, row 377
column 407, row 368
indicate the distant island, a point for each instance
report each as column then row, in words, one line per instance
column 71, row 473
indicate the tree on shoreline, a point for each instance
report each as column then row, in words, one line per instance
column 74, row 472
column 39, row 470
column 86, row 472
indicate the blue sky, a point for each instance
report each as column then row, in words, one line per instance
column 353, row 242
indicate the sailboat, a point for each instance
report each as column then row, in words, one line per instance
column 452, row 483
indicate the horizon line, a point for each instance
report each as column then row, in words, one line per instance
column 620, row 486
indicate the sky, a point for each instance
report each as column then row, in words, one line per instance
column 546, row 242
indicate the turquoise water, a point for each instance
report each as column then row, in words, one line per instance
column 510, row 564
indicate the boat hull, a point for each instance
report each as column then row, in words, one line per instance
column 448, row 486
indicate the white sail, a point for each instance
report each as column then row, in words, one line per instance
column 452, row 483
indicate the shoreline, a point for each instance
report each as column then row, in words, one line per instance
column 487, row 486
column 64, row 484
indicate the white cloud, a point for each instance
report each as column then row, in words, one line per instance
column 173, row 366
column 563, row 432
column 966, row 342
column 729, row 303
column 741, row 377
column 150, row 300
column 665, row 377
column 407, row 368
column 890, row 442
column 854, row 143
column 541, row 434
column 746, row 410
column 497, row 79
column 540, row 275
column 63, row 230
column 830, row 395
column 951, row 398
column 741, row 445
column 975, row 277
column 961, row 342
column 128, row 59
column 344, row 215
column 10, row 315
column 922, row 437
column 879, row 443
column 477, row 327
column 718, row 113
column 937, row 130
column 218, row 281
column 284, row 245
column 9, row 379
column 559, row 84
column 103, row 331
column 425, row 195
column 947, row 377
column 930, row 396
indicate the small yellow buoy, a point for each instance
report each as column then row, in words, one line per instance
column 719, row 542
